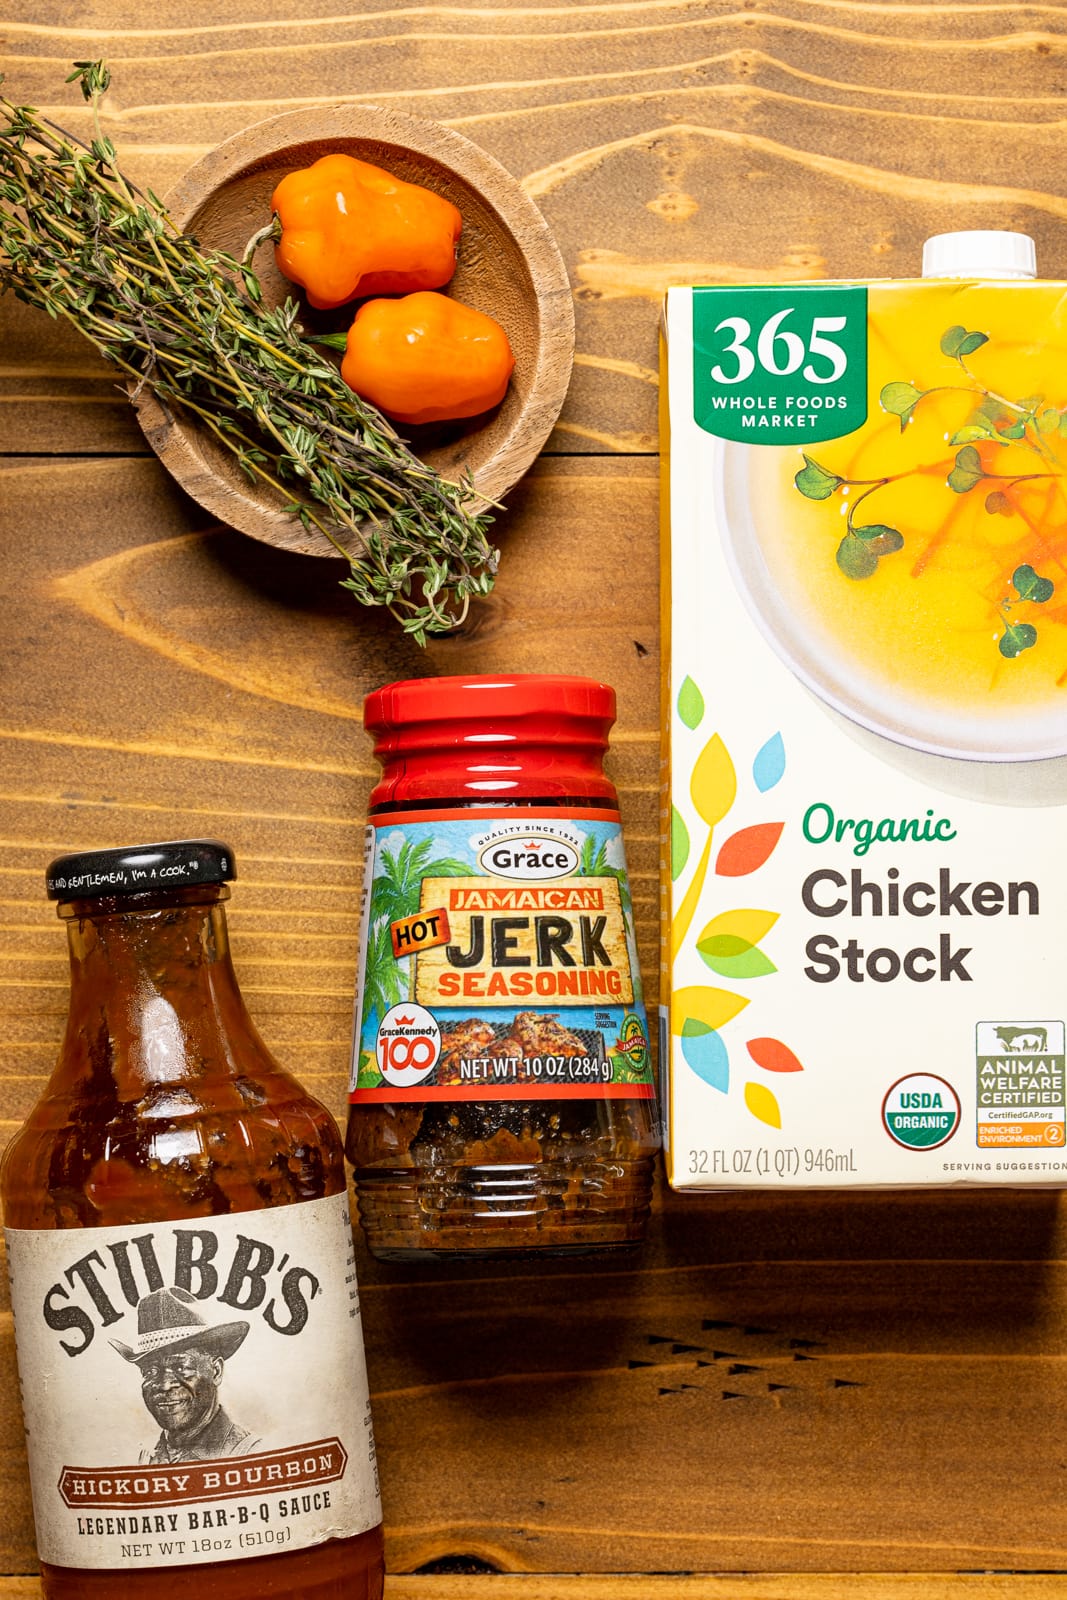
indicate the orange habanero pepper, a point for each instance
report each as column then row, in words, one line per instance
column 349, row 228
column 426, row 358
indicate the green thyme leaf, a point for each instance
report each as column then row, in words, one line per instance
column 1048, row 420
column 968, row 470
column 815, row 482
column 93, row 78
column 332, row 341
column 998, row 503
column 855, row 558
column 1028, row 585
column 1014, row 430
column 79, row 242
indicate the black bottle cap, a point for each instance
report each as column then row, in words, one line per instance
column 139, row 869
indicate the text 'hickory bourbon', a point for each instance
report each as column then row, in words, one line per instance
column 186, row 1310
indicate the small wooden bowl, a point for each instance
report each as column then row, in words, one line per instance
column 509, row 266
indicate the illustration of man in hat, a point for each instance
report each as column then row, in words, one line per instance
column 181, row 1358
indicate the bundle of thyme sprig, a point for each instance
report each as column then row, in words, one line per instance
column 80, row 241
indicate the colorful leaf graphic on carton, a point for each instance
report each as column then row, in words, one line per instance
column 773, row 1056
column 728, row 944
column 769, row 766
column 748, row 849
column 748, row 924
column 679, row 844
column 706, row 1054
column 713, row 788
column 737, row 961
column 713, row 785
column 697, row 1009
column 900, row 400
column 690, row 704
column 763, row 1105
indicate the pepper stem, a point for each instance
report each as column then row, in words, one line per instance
column 272, row 230
column 332, row 341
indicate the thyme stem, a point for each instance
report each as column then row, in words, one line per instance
column 79, row 241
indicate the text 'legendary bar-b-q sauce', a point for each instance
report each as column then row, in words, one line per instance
column 502, row 1095
column 186, row 1312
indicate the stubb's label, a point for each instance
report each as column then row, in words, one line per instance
column 499, row 960
column 194, row 1391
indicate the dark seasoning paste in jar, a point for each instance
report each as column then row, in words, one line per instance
column 187, row 1324
column 502, row 1095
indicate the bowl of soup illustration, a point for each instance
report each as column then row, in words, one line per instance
column 914, row 573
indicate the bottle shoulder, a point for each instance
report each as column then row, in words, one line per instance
column 193, row 1148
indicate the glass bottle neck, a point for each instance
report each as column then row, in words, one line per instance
column 154, row 997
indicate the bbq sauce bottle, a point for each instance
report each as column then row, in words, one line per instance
column 502, row 1098
column 186, row 1316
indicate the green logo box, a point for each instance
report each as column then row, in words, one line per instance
column 780, row 365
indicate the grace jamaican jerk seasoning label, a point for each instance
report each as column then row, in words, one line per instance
column 499, row 960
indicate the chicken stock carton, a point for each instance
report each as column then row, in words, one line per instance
column 865, row 705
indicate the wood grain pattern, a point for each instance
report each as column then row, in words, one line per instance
column 819, row 1388
column 196, row 680
column 776, row 1411
column 668, row 141
column 187, row 690
column 618, row 1586
column 574, row 1586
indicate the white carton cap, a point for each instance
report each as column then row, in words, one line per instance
column 980, row 253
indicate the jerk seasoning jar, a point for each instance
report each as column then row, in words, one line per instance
column 186, row 1317
column 502, row 1095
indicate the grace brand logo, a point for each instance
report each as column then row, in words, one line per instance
column 529, row 858
column 102, row 1287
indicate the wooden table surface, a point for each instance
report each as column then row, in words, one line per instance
column 828, row 1395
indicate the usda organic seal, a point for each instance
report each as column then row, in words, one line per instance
column 921, row 1111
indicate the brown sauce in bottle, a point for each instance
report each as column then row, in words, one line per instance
column 165, row 1106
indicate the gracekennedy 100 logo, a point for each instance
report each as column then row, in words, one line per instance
column 538, row 854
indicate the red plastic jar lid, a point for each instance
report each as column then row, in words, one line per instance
column 491, row 738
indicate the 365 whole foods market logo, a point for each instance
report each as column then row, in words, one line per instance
column 538, row 856
column 780, row 366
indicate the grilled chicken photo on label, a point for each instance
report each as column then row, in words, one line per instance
column 540, row 1034
column 470, row 1038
